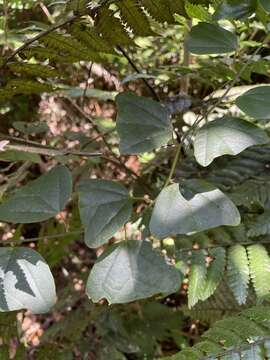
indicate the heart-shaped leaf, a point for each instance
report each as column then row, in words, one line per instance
column 26, row 281
column 255, row 102
column 226, row 136
column 211, row 39
column 129, row 271
column 105, row 206
column 195, row 206
column 142, row 124
column 39, row 200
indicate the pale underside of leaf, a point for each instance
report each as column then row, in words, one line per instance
column 174, row 214
column 129, row 271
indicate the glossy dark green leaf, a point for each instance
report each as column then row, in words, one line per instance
column 192, row 207
column 142, row 124
column 226, row 136
column 211, row 39
column 255, row 102
column 26, row 281
column 129, row 271
column 40, row 199
column 235, row 9
column 105, row 206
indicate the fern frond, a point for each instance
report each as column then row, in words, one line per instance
column 111, row 28
column 259, row 264
column 260, row 225
column 252, row 193
column 133, row 16
column 68, row 46
column 34, row 70
column 238, row 272
column 221, row 303
column 197, row 277
column 197, row 11
column 215, row 272
column 42, row 54
column 239, row 337
column 164, row 10
column 90, row 38
column 24, row 87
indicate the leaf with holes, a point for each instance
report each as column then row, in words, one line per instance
column 40, row 199
column 208, row 38
column 129, row 271
column 142, row 124
column 26, row 281
column 191, row 207
column 105, row 206
column 226, row 136
column 255, row 102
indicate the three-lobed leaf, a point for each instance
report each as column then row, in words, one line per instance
column 105, row 206
column 129, row 271
column 40, row 199
column 195, row 206
column 26, row 281
column 142, row 124
column 226, row 136
column 206, row 38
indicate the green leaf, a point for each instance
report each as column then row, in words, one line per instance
column 194, row 207
column 265, row 4
column 215, row 273
column 259, row 264
column 197, row 277
column 40, row 199
column 255, row 102
column 235, row 9
column 142, row 124
column 226, row 136
column 133, row 15
column 26, row 281
column 31, row 127
column 238, row 272
column 15, row 155
column 211, row 39
column 105, row 206
column 197, row 12
column 129, row 271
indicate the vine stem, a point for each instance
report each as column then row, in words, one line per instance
column 134, row 66
column 35, row 239
column 175, row 161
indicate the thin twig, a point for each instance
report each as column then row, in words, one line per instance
column 86, row 84
column 134, row 66
column 35, row 239
column 36, row 148
column 267, row 241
